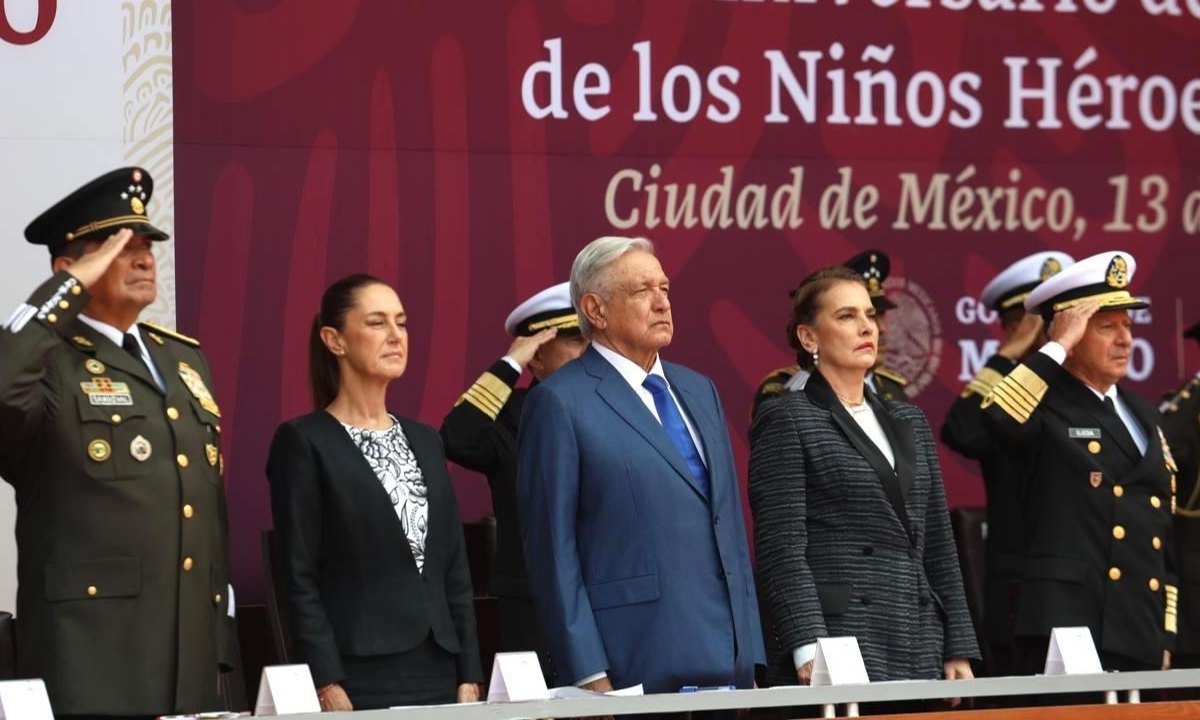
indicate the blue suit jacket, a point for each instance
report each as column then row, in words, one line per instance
column 633, row 571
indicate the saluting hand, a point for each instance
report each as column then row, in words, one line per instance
column 1068, row 325
column 1024, row 336
column 524, row 348
column 92, row 266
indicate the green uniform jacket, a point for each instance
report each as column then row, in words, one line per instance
column 121, row 516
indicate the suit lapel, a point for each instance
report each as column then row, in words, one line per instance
column 900, row 437
column 819, row 391
column 1154, row 458
column 1081, row 396
column 617, row 394
column 113, row 356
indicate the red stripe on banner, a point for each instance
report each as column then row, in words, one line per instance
column 447, row 336
column 224, row 306
column 383, row 185
column 306, row 273
column 532, row 241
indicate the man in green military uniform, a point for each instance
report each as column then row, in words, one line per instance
column 1098, row 479
column 110, row 436
column 1181, row 425
column 874, row 266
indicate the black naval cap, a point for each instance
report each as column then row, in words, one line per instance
column 96, row 210
column 873, row 267
column 1193, row 332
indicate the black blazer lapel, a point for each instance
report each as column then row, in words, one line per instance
column 107, row 352
column 707, row 425
column 819, row 391
column 900, row 437
column 1114, row 431
column 1154, row 459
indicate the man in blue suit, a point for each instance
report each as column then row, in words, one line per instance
column 629, row 502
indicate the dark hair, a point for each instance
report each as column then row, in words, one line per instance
column 806, row 301
column 338, row 300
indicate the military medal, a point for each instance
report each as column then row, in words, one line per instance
column 195, row 384
column 140, row 449
column 94, row 366
column 211, row 452
column 99, row 450
column 1096, row 478
column 103, row 391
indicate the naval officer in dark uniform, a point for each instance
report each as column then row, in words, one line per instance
column 111, row 438
column 873, row 266
column 1099, row 486
column 1181, row 425
column 964, row 432
column 480, row 434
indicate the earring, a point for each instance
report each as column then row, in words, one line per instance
column 816, row 357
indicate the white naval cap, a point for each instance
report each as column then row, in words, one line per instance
column 549, row 308
column 1102, row 277
column 1012, row 285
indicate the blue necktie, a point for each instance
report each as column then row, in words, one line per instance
column 672, row 422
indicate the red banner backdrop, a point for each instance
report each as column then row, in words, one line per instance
column 465, row 151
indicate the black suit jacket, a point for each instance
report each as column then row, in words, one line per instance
column 351, row 582
column 1097, row 512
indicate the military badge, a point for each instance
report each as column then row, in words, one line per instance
column 136, row 205
column 1096, row 478
column 195, row 385
column 81, row 341
column 102, row 392
column 99, row 450
column 1118, row 272
column 211, row 452
column 140, row 449
column 1050, row 268
column 94, row 366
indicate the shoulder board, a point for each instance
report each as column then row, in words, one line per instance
column 894, row 377
column 171, row 334
column 780, row 375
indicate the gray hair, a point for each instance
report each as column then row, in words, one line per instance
column 589, row 271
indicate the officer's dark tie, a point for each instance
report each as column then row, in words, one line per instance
column 672, row 422
column 1112, row 408
column 130, row 343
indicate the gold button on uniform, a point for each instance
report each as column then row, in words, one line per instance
column 1155, row 502
column 99, row 450
column 1094, row 447
column 172, row 413
column 1114, row 573
column 1154, row 584
column 188, row 511
column 75, row 290
column 1118, row 532
column 51, row 318
column 182, row 460
column 63, row 304
column 188, row 563
column 116, row 418
column 217, row 599
column 92, row 591
column 1118, row 490
column 1157, row 543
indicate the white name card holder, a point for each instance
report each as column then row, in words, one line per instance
column 24, row 700
column 839, row 662
column 1072, row 652
column 517, row 677
column 286, row 690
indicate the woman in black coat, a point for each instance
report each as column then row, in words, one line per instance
column 851, row 530
column 378, row 589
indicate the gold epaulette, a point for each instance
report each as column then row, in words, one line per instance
column 769, row 389
column 1184, row 393
column 488, row 394
column 983, row 382
column 1172, row 611
column 894, row 377
column 1018, row 394
column 171, row 334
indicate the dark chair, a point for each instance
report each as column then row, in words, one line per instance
column 277, row 617
column 970, row 531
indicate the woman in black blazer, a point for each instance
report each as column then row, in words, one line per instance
column 851, row 530
column 378, row 589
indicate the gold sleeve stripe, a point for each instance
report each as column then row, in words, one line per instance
column 983, row 382
column 1018, row 394
column 1172, row 616
column 489, row 394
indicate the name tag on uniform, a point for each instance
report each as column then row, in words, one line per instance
column 103, row 391
column 1085, row 433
